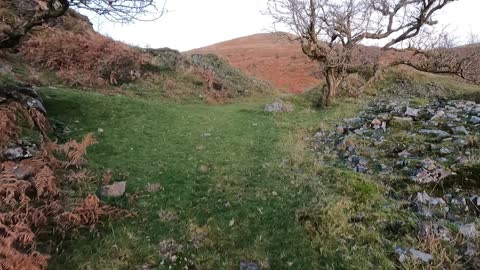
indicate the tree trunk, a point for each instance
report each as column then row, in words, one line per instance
column 333, row 81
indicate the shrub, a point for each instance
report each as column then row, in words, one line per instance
column 84, row 59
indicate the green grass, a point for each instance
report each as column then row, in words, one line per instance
column 259, row 179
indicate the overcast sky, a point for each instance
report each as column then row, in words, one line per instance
column 197, row 23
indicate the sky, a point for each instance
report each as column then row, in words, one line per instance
column 193, row 24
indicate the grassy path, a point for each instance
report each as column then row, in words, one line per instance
column 238, row 184
column 223, row 170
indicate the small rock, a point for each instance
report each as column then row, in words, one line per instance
column 438, row 115
column 404, row 154
column 468, row 230
column 100, row 130
column 459, row 201
column 361, row 169
column 278, row 107
column 360, row 161
column 412, row 112
column 402, row 254
column 340, row 129
column 460, row 130
column 424, row 176
column 434, row 132
column 419, row 255
column 422, row 211
column 428, row 164
column 401, row 163
column 445, row 151
column 114, row 190
column 475, row 120
column 460, row 142
column 249, row 265
column 442, row 160
column 20, row 152
column 427, row 229
column 424, row 198
column 376, row 122
column 475, row 200
column 354, row 122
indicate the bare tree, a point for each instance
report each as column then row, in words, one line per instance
column 438, row 51
column 33, row 13
column 330, row 31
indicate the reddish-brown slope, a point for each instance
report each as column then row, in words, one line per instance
column 271, row 57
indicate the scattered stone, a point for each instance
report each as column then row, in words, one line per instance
column 402, row 254
column 422, row 211
column 249, row 265
column 438, row 115
column 419, row 255
column 22, row 151
column 401, row 163
column 475, row 200
column 206, row 134
column 427, row 229
column 278, row 106
column 445, row 151
column 459, row 201
column 376, row 122
column 404, row 154
column 412, row 112
column 354, row 122
column 360, row 161
column 428, row 164
column 340, row 129
column 468, row 230
column 114, row 190
column 434, row 132
column 411, row 253
column 460, row 142
column 424, row 176
column 424, row 198
column 361, row 169
column 475, row 120
column 460, row 130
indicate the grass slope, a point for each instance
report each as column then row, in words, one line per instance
column 244, row 186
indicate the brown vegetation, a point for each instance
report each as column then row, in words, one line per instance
column 83, row 59
column 31, row 191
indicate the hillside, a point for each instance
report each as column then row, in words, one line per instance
column 271, row 57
